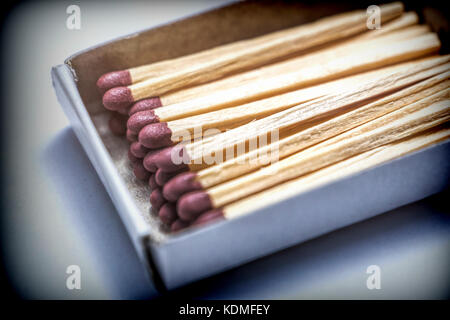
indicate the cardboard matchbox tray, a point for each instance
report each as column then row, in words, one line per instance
column 177, row 259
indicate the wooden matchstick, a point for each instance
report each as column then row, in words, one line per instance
column 154, row 79
column 326, row 175
column 196, row 126
column 409, row 120
column 121, row 97
column 118, row 124
column 361, row 58
column 253, row 160
column 305, row 112
column 388, row 79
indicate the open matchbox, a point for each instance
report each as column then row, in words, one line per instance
column 177, row 259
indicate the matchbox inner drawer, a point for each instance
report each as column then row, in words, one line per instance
column 177, row 259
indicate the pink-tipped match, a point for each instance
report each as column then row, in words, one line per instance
column 192, row 204
column 145, row 104
column 157, row 199
column 172, row 159
column 138, row 150
column 140, row 172
column 152, row 182
column 179, row 225
column 162, row 177
column 118, row 124
column 156, row 135
column 181, row 184
column 132, row 158
column 168, row 213
column 209, row 216
column 123, row 112
column 140, row 119
column 117, row 98
column 149, row 160
column 113, row 79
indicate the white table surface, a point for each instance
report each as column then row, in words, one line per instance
column 59, row 213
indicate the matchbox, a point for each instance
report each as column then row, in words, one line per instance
column 175, row 259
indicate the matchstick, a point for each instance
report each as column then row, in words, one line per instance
column 253, row 160
column 246, row 77
column 140, row 172
column 302, row 113
column 326, row 175
column 388, row 79
column 121, row 97
column 154, row 79
column 138, row 150
column 361, row 58
column 405, row 20
column 161, row 177
column 391, row 127
column 168, row 213
column 141, row 116
column 156, row 199
column 152, row 182
column 118, row 124
column 258, row 158
column 229, row 118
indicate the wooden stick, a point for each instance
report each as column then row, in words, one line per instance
column 233, row 117
column 405, row 20
column 253, row 160
column 245, row 77
column 393, row 127
column 412, row 119
column 210, row 93
column 300, row 114
column 340, row 170
column 368, row 57
column 214, row 63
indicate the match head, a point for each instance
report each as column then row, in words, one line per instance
column 131, row 136
column 138, row 150
column 179, row 225
column 149, row 160
column 209, row 216
column 117, row 124
column 117, row 98
column 123, row 112
column 140, row 172
column 140, row 119
column 162, row 177
column 157, row 199
column 168, row 213
column 152, row 182
column 192, row 204
column 114, row 79
column 156, row 135
column 181, row 184
column 165, row 159
column 145, row 104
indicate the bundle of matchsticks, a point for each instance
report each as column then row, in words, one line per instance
column 226, row 131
